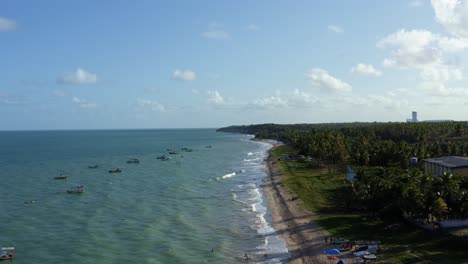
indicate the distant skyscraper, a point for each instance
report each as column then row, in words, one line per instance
column 415, row 116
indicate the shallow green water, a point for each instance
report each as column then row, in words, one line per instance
column 204, row 206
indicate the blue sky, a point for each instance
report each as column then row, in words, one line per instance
column 175, row 64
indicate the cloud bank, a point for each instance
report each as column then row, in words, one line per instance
column 80, row 76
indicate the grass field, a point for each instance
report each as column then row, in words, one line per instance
column 327, row 192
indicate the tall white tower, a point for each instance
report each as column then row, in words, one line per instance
column 415, row 116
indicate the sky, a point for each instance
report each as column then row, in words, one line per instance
column 102, row 64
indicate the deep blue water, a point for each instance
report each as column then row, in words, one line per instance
column 204, row 206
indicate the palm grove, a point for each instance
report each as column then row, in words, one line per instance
column 385, row 185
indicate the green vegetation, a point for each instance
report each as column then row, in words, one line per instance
column 283, row 150
column 368, row 144
column 384, row 184
column 327, row 192
column 320, row 191
column 385, row 193
column 401, row 242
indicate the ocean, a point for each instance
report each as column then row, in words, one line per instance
column 201, row 206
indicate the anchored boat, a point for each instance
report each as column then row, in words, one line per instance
column 77, row 189
column 61, row 177
column 7, row 253
column 134, row 161
column 115, row 170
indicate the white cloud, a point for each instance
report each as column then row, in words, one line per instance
column 216, row 34
column 407, row 41
column 429, row 53
column 365, row 69
column 215, row 31
column 395, row 100
column 296, row 99
column 299, row 100
column 453, row 15
column 215, row 98
column 440, row 90
column 452, row 44
column 151, row 105
column 322, row 79
column 302, row 99
column 442, row 73
column 335, row 29
column 80, row 76
column 253, row 27
column 7, row 24
column 83, row 103
column 184, row 75
column 272, row 102
column 416, row 3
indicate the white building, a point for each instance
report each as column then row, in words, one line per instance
column 414, row 117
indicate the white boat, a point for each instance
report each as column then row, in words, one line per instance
column 361, row 253
column 7, row 253
column 369, row 257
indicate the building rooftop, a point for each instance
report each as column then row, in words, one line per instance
column 450, row 161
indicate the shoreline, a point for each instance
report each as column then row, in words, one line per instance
column 304, row 239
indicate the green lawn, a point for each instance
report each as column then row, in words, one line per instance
column 330, row 195
column 318, row 189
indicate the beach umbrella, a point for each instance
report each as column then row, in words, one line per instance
column 334, row 251
column 341, row 262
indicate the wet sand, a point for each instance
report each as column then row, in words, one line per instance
column 304, row 238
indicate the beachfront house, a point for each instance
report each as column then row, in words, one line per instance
column 450, row 164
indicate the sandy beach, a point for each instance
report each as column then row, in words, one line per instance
column 304, row 238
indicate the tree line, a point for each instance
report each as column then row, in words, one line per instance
column 385, row 184
column 373, row 144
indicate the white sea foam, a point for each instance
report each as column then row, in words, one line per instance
column 254, row 207
column 249, row 194
column 229, row 175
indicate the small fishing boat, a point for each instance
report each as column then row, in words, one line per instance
column 369, row 257
column 115, row 170
column 7, row 253
column 173, row 152
column 77, row 189
column 166, row 158
column 93, row 166
column 186, row 149
column 61, row 177
column 209, row 146
column 133, row 161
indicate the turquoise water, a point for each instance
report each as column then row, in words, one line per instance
column 204, row 206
